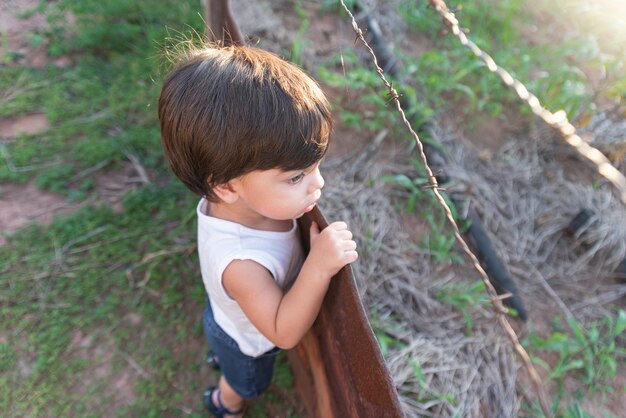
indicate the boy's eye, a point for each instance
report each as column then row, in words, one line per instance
column 296, row 179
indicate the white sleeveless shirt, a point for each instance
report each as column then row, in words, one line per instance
column 219, row 243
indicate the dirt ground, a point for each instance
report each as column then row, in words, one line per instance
column 24, row 203
column 21, row 204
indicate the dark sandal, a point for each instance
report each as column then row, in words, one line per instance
column 218, row 410
column 212, row 360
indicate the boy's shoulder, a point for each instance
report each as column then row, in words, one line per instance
column 217, row 225
column 223, row 234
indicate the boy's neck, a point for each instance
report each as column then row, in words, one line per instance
column 234, row 213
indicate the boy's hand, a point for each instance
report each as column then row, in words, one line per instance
column 332, row 248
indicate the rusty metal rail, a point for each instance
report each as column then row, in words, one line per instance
column 338, row 367
column 220, row 23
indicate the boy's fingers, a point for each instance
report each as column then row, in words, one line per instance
column 346, row 234
column 352, row 256
column 339, row 225
column 349, row 246
column 314, row 231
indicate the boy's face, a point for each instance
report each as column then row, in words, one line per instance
column 279, row 195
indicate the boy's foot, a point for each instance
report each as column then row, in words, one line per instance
column 213, row 361
column 213, row 403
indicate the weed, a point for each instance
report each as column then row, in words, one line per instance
column 467, row 297
column 385, row 331
column 331, row 5
column 450, row 77
column 374, row 112
column 414, row 187
column 299, row 40
column 375, row 107
column 571, row 410
column 54, row 178
column 439, row 241
column 283, row 377
column 426, row 394
column 591, row 353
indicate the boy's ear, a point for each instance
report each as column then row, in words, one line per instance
column 226, row 192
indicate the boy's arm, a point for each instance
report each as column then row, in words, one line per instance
column 284, row 318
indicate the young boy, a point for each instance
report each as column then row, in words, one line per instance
column 246, row 130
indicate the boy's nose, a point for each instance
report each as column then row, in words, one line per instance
column 317, row 181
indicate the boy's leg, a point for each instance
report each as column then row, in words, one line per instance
column 250, row 376
column 230, row 399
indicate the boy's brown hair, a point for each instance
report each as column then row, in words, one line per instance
column 227, row 111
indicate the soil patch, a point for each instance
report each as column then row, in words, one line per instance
column 23, row 125
column 19, row 23
column 119, row 389
column 21, row 204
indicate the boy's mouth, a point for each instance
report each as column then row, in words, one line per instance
column 310, row 207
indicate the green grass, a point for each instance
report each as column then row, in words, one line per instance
column 466, row 297
column 102, row 308
column 450, row 71
column 299, row 41
column 102, row 107
column 385, row 330
column 449, row 78
column 592, row 352
column 83, row 275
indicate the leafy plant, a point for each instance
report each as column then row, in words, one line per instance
column 299, row 41
column 439, row 240
column 373, row 113
column 414, row 187
column 449, row 70
column 571, row 410
column 466, row 297
column 427, row 394
column 385, row 332
column 334, row 6
column 592, row 353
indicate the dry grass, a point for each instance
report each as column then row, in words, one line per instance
column 527, row 201
column 468, row 374
column 527, row 195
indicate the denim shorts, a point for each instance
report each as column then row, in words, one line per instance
column 248, row 376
